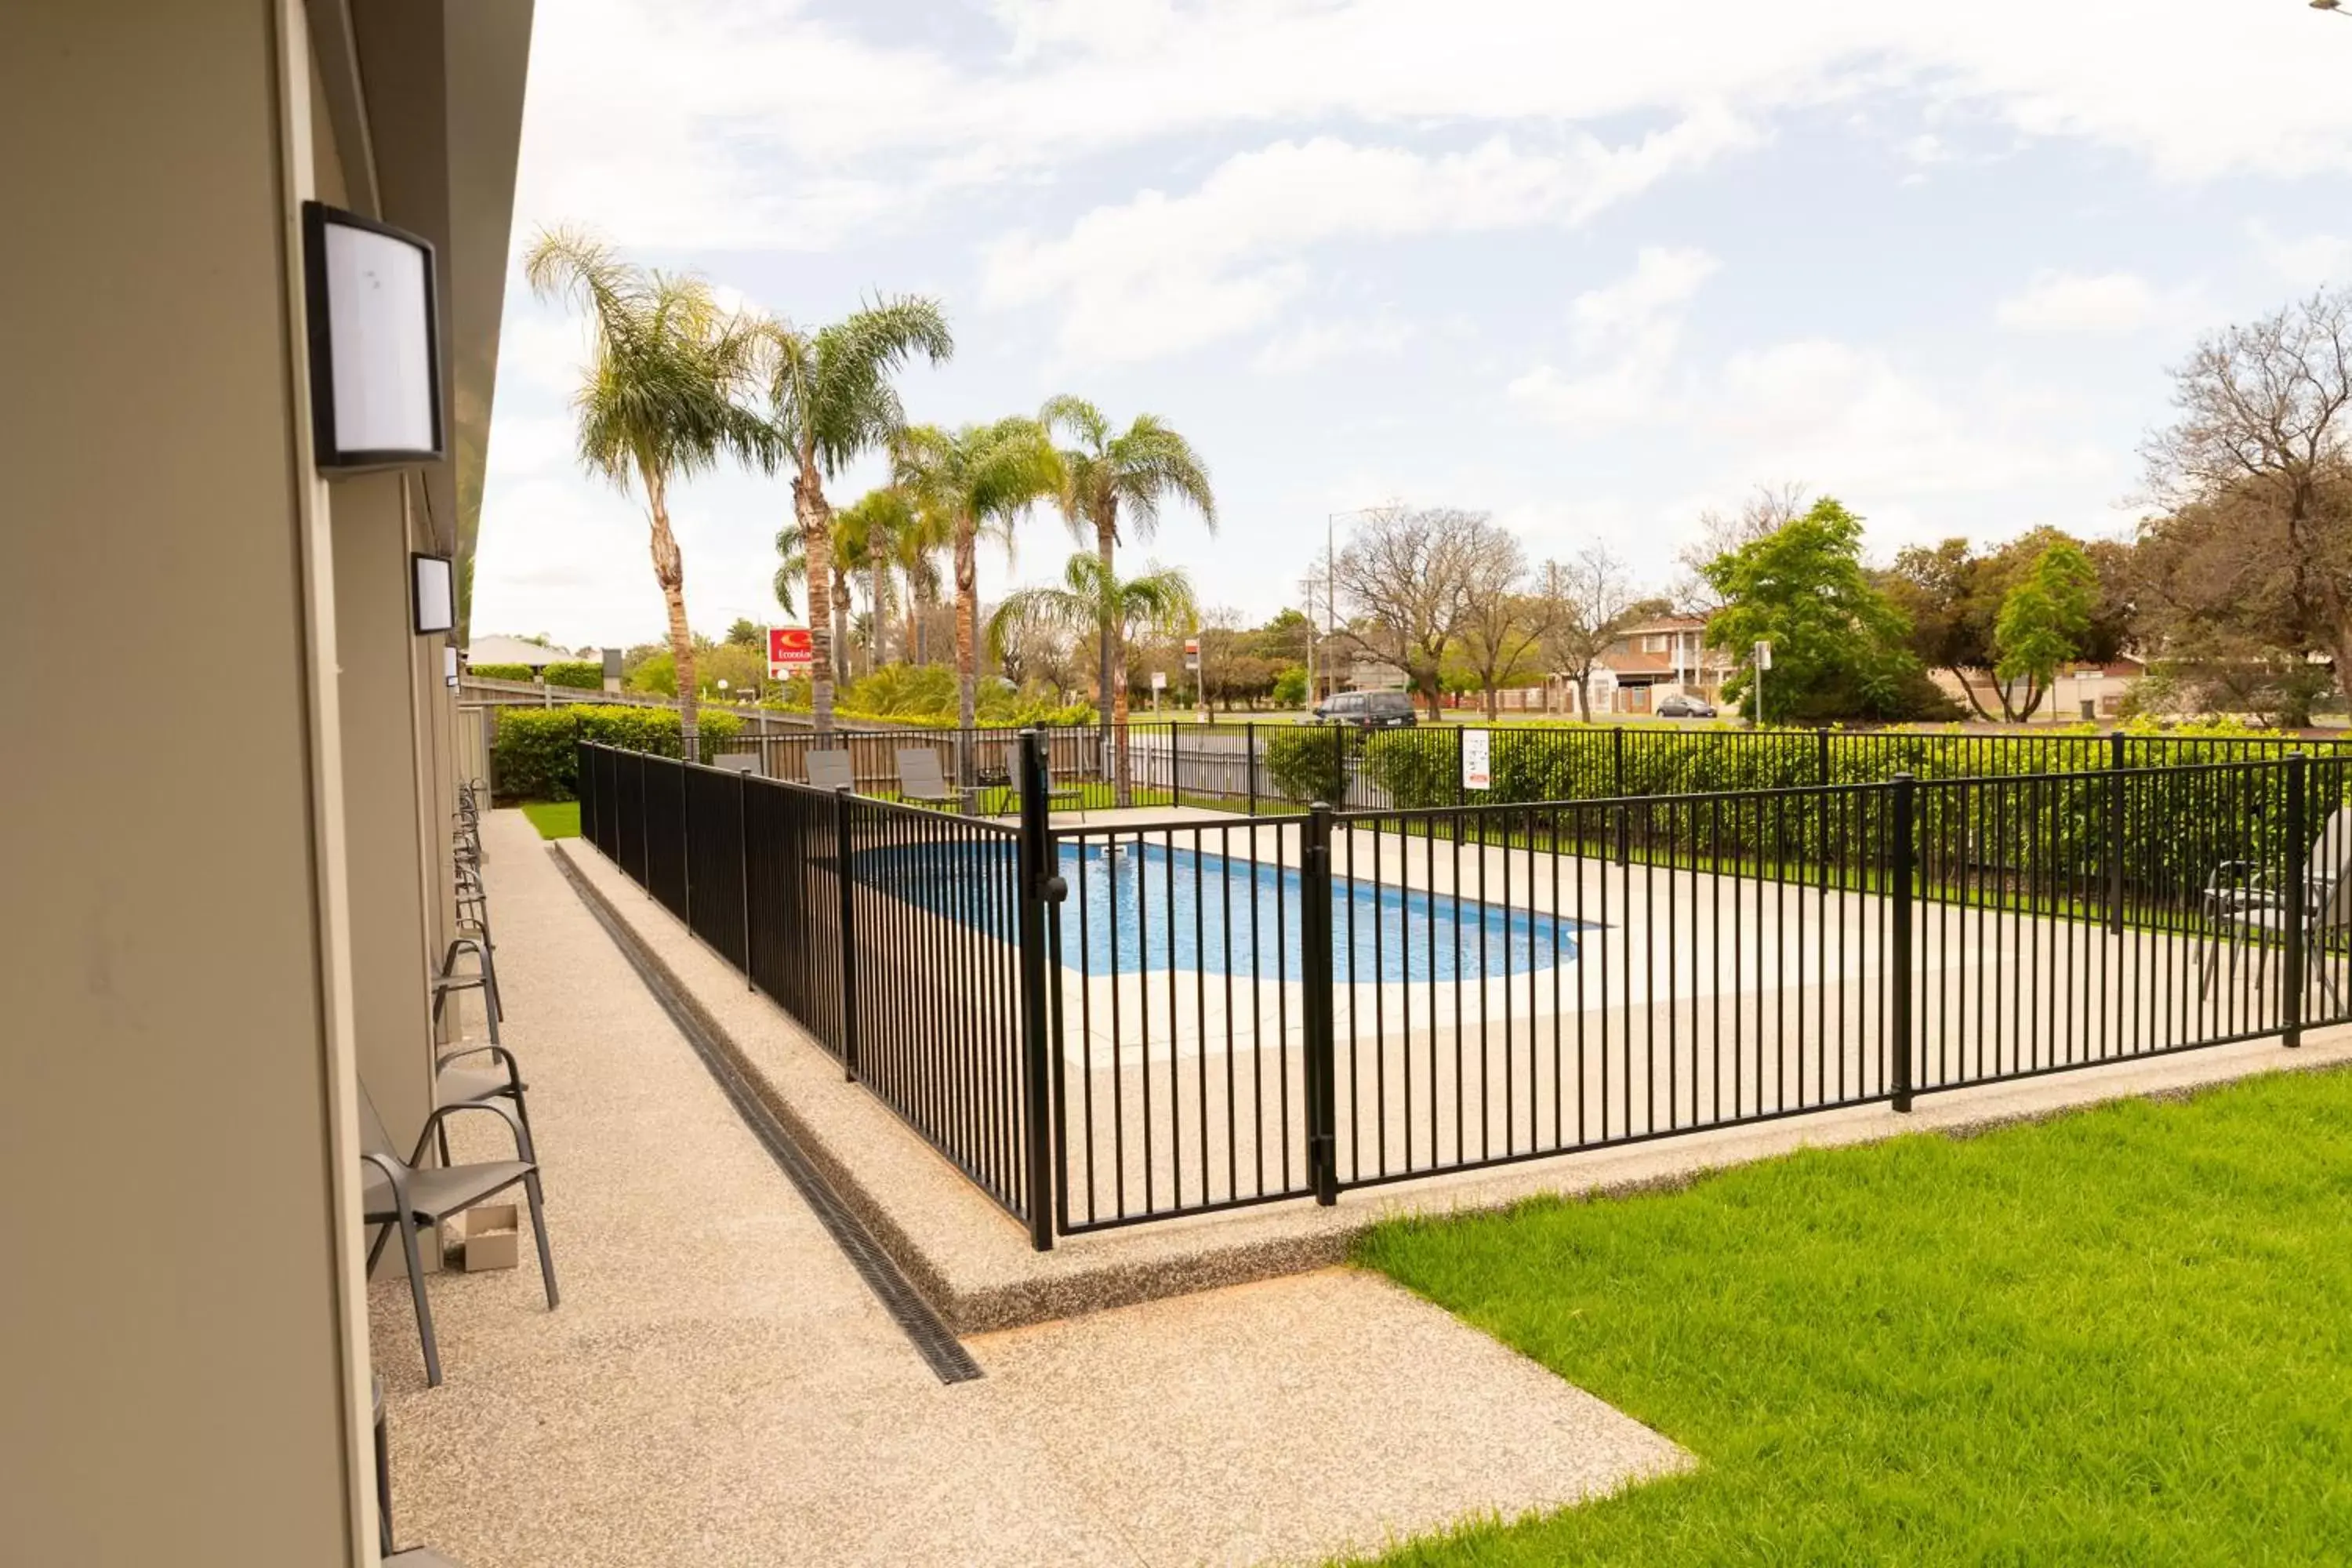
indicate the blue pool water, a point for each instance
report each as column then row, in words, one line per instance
column 1151, row 907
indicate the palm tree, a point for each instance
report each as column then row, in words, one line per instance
column 792, row 567
column 914, row 550
column 657, row 402
column 980, row 479
column 830, row 401
column 1090, row 597
column 866, row 532
column 1136, row 471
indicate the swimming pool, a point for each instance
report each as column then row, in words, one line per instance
column 1149, row 907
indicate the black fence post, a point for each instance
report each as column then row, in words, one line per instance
column 1315, row 968
column 1617, row 788
column 743, row 854
column 1899, row 962
column 1249, row 762
column 2296, row 881
column 1175, row 766
column 2116, row 845
column 1040, row 884
column 842, row 865
column 1821, row 755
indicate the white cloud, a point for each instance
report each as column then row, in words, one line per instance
column 721, row 123
column 1628, row 335
column 1313, row 344
column 2074, row 302
column 1158, row 274
column 2307, row 261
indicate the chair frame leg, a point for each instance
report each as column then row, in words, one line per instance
column 538, row 1234
column 423, row 1307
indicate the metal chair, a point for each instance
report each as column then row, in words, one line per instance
column 2246, row 906
column 401, row 1194
column 830, row 769
column 920, row 782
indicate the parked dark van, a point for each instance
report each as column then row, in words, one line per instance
column 1367, row 710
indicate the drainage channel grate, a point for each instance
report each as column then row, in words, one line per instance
column 933, row 1340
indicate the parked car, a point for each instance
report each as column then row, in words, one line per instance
column 1685, row 706
column 1367, row 710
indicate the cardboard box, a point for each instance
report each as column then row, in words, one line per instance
column 488, row 1237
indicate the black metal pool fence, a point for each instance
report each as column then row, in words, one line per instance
column 1287, row 767
column 1106, row 1022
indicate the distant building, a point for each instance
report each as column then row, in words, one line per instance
column 512, row 650
column 1652, row 660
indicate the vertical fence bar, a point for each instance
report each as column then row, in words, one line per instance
column 1822, row 758
column 1899, row 960
column 842, row 825
column 1617, row 788
column 1315, row 968
column 743, row 853
column 2115, row 849
column 1040, row 885
column 1249, row 762
column 2297, row 883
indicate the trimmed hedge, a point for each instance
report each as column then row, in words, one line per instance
column 499, row 671
column 533, row 755
column 582, row 674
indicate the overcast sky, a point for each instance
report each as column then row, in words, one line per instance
column 1591, row 269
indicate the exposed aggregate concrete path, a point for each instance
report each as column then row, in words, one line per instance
column 720, row 1387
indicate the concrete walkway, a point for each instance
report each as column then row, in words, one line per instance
column 720, row 1387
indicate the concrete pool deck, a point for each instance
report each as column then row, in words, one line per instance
column 720, row 1387
column 973, row 1262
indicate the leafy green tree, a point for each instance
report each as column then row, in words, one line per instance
column 1953, row 597
column 747, row 633
column 2043, row 621
column 1109, row 473
column 1290, row 687
column 658, row 402
column 982, row 479
column 831, row 400
column 1838, row 647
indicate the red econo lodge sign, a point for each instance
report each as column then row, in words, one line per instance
column 788, row 651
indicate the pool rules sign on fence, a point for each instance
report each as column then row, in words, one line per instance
column 790, row 652
column 1478, row 758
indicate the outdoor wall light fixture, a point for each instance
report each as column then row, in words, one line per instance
column 437, row 605
column 375, row 350
column 449, row 667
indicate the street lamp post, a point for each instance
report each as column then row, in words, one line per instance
column 1330, row 593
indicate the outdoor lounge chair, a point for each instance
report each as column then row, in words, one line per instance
column 402, row 1193
column 1005, row 780
column 919, row 783
column 2248, row 908
column 830, row 769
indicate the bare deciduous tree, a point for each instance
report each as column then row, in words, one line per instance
column 1501, row 623
column 1404, row 580
column 1767, row 509
column 2254, row 475
column 1591, row 599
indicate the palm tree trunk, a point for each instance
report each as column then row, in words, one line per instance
column 966, row 624
column 669, row 571
column 1114, row 664
column 816, row 542
column 848, row 627
column 880, row 620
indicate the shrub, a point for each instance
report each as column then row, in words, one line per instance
column 532, row 753
column 1307, row 762
column 585, row 675
column 1417, row 767
column 1290, row 687
column 500, row 671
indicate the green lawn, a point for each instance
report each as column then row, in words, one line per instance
column 2121, row 1337
column 553, row 818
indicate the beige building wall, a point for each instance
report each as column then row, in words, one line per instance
column 176, row 1302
